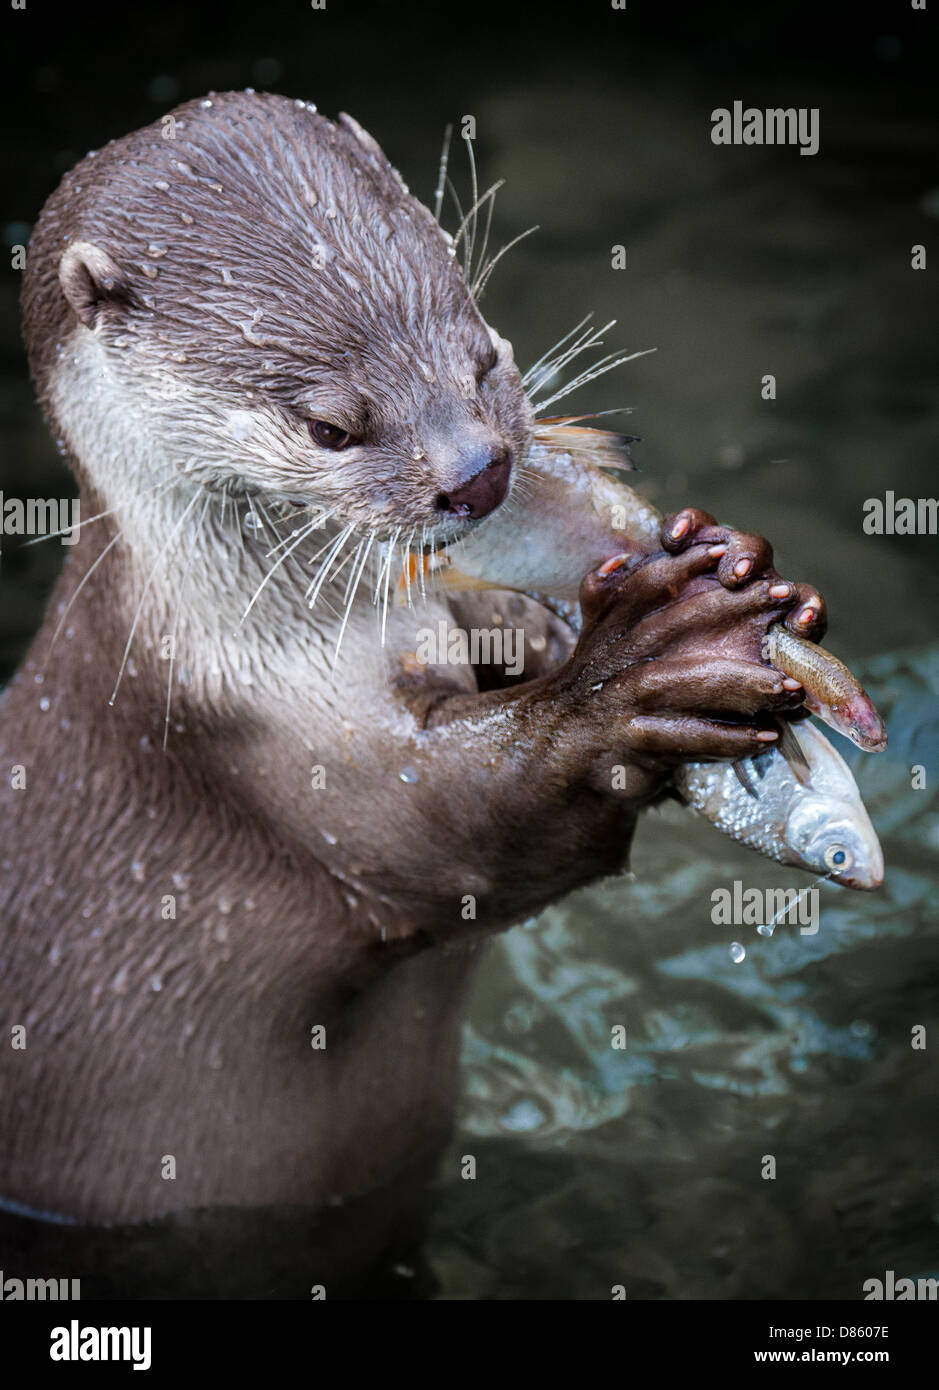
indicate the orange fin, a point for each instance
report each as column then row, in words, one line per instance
column 604, row 448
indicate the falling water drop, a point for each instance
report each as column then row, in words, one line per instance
column 737, row 952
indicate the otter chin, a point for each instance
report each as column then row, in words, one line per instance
column 255, row 843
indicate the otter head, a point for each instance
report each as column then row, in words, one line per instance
column 246, row 293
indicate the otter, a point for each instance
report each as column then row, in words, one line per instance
column 252, row 846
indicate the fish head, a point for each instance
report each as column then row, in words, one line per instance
column 859, row 720
column 835, row 839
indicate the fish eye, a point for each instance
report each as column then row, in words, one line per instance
column 838, row 858
column 329, row 436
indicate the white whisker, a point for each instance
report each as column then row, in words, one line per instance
column 86, row 576
column 350, row 595
column 592, row 338
column 146, row 588
column 333, row 548
column 552, row 350
column 384, row 613
column 179, row 604
column 304, row 532
column 442, row 173
column 313, row 525
column 599, row 369
column 483, row 279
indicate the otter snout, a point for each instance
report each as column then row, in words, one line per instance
column 483, row 491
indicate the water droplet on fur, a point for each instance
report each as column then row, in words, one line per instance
column 44, row 702
column 205, row 105
column 737, row 952
column 138, row 871
column 409, row 774
column 156, row 983
column 524, row 1116
column 251, row 522
column 225, row 906
column 181, row 881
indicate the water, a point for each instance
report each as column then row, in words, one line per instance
column 645, row 1163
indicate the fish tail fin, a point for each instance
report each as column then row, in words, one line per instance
column 603, row 448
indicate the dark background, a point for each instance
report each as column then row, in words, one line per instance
column 740, row 262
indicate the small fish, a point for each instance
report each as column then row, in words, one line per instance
column 831, row 690
column 817, row 823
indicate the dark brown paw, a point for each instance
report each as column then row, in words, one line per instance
column 743, row 557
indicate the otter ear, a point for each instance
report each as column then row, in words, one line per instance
column 92, row 282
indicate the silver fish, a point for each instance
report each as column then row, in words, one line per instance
column 815, row 820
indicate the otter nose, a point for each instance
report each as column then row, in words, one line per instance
column 483, row 492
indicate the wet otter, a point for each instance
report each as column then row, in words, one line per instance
column 249, row 317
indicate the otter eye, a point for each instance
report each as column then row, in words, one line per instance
column 837, row 857
column 329, row 436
